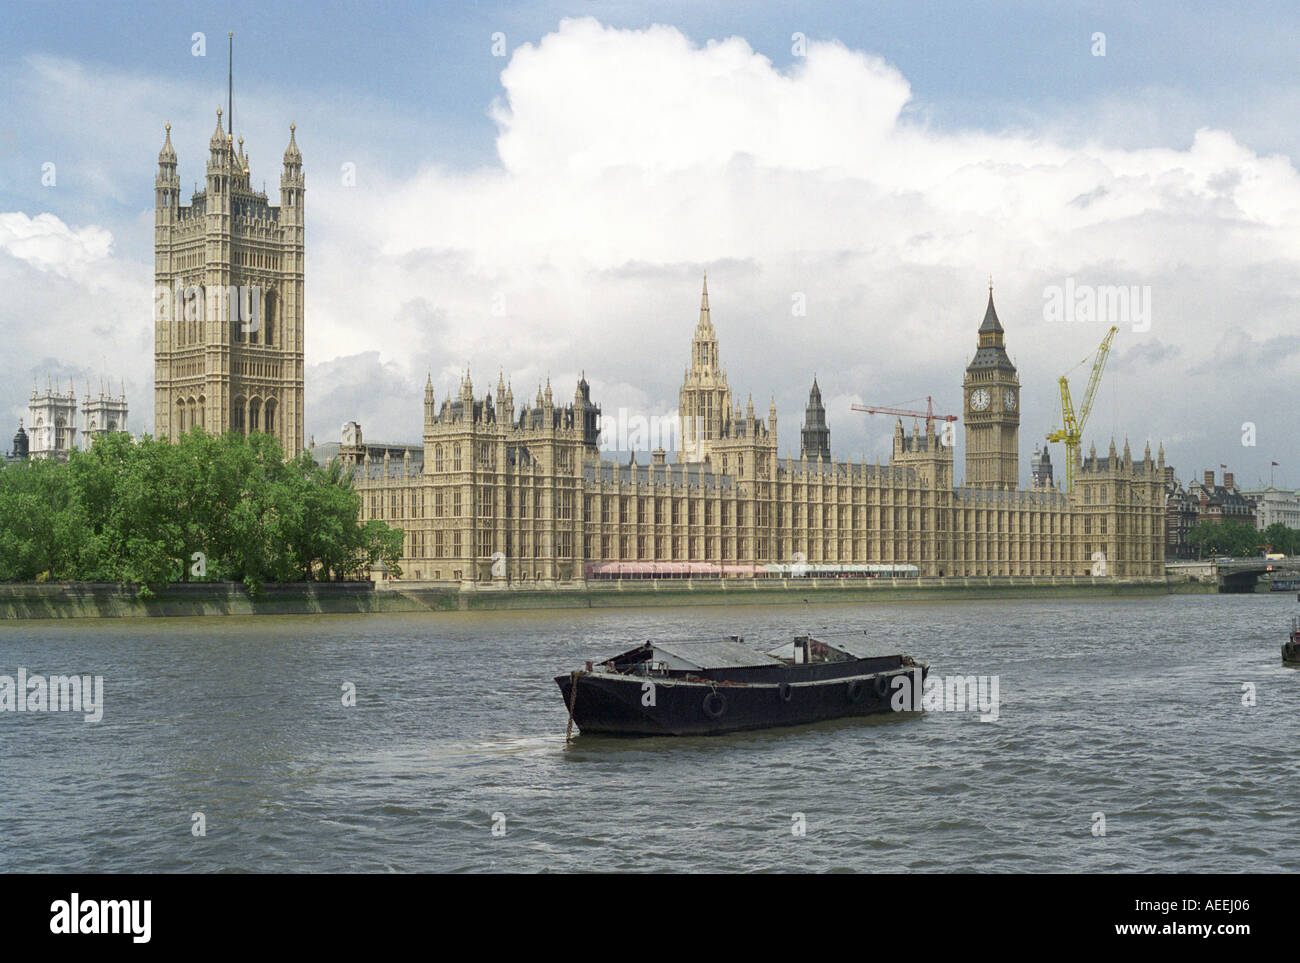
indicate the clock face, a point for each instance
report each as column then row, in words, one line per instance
column 979, row 399
column 1009, row 399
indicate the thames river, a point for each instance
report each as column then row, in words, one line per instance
column 1122, row 743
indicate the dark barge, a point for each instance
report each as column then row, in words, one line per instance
column 1291, row 647
column 705, row 688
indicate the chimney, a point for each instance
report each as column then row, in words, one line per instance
column 1209, row 479
column 1227, row 481
column 659, row 456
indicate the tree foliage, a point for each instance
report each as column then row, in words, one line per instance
column 138, row 511
column 1236, row 539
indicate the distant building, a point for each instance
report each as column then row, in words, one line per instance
column 1274, row 506
column 102, row 414
column 1180, row 517
column 52, row 416
column 52, row 420
column 354, row 450
column 21, row 444
column 1219, row 503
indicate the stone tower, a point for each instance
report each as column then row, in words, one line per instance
column 228, row 319
column 991, row 390
column 20, row 443
column 52, row 417
column 704, row 405
column 815, row 439
column 102, row 414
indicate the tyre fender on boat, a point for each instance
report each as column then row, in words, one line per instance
column 715, row 704
column 881, row 685
column 855, row 690
column 785, row 691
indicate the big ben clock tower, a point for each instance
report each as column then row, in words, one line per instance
column 991, row 391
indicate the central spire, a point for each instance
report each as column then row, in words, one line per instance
column 706, row 324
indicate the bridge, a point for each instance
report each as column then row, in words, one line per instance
column 1235, row 575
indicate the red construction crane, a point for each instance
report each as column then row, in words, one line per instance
column 928, row 414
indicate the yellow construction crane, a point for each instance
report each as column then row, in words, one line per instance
column 1071, row 431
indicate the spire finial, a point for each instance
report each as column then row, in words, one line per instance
column 705, row 322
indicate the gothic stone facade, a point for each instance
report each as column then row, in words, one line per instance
column 215, row 368
column 508, row 494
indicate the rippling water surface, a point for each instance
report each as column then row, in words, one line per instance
column 1131, row 708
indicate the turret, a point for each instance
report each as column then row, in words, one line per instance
column 293, row 184
column 467, row 397
column 167, row 185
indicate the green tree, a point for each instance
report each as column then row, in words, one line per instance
column 137, row 511
column 43, row 527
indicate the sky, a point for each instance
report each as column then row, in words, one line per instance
column 540, row 187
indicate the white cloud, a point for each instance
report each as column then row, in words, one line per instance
column 48, row 244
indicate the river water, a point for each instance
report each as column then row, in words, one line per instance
column 1131, row 709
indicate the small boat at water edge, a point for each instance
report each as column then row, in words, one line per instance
column 1291, row 647
column 712, row 687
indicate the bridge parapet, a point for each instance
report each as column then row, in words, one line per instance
column 1233, row 574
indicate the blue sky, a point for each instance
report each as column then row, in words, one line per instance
column 413, row 95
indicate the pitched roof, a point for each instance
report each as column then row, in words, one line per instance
column 991, row 324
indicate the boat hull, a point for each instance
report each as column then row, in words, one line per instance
column 617, row 704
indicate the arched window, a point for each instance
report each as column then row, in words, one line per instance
column 255, row 415
column 437, row 457
column 268, row 322
column 202, row 412
column 180, row 417
column 237, row 415
column 269, row 428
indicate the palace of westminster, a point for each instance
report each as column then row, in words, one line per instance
column 506, row 492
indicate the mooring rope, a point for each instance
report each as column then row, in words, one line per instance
column 573, row 701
